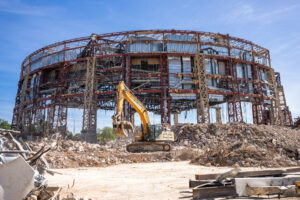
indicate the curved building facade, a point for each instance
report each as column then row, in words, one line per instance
column 170, row 71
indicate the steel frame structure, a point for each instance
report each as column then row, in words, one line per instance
column 83, row 73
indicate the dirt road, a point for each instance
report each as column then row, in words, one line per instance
column 161, row 180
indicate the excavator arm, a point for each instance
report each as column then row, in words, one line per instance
column 122, row 127
column 152, row 137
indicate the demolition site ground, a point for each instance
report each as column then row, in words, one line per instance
column 205, row 151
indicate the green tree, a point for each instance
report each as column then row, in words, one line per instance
column 69, row 134
column 4, row 124
column 106, row 134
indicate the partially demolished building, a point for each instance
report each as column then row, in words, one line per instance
column 170, row 71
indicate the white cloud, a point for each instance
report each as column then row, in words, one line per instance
column 19, row 8
column 245, row 12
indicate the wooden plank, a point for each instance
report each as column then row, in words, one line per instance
column 194, row 183
column 213, row 192
column 17, row 151
column 206, row 176
column 271, row 172
column 292, row 170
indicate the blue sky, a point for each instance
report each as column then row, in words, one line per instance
column 29, row 25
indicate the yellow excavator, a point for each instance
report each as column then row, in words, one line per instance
column 151, row 137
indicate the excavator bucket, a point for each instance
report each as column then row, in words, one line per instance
column 123, row 128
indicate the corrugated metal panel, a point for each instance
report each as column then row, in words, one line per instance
column 187, row 68
column 174, row 67
column 208, row 66
column 246, row 56
column 216, row 97
column 37, row 64
column 211, row 66
column 157, row 47
column 221, row 68
column 250, row 88
column 183, row 96
column 249, row 71
column 263, row 75
column 180, row 37
column 209, row 82
column 181, row 47
column 142, row 46
column 209, row 49
column 239, row 71
column 49, row 60
column 186, row 61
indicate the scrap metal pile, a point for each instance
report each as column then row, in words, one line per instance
column 237, row 183
column 239, row 144
column 22, row 170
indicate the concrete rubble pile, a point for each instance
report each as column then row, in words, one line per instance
column 69, row 153
column 234, row 144
column 22, row 170
column 239, row 144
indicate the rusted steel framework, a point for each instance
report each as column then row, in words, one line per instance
column 170, row 71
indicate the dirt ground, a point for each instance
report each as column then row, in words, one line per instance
column 160, row 180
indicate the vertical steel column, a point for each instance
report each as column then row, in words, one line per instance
column 14, row 121
column 230, row 103
column 258, row 104
column 16, row 114
column 287, row 117
column 202, row 99
column 21, row 114
column 218, row 115
column 175, row 118
column 89, row 123
column 38, row 112
column 62, row 111
column 254, row 112
column 15, row 124
column 230, row 109
column 127, row 108
column 50, row 118
column 237, row 107
column 276, row 117
column 164, row 82
column 233, row 103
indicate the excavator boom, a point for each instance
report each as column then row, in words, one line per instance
column 121, row 127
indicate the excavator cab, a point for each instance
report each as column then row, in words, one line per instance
column 158, row 133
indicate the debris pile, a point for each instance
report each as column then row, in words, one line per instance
column 239, row 144
column 22, row 170
column 234, row 144
column 69, row 153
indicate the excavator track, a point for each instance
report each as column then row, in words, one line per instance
column 139, row 147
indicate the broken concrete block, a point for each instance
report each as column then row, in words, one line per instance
column 16, row 179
